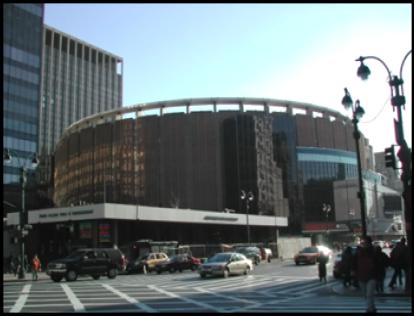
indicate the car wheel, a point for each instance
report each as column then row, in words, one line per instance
column 193, row 268
column 202, row 275
column 159, row 271
column 297, row 263
column 247, row 270
column 112, row 273
column 56, row 278
column 71, row 275
column 96, row 276
column 226, row 273
column 269, row 259
column 172, row 270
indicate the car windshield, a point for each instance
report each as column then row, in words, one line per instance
column 76, row 254
column 221, row 257
column 310, row 250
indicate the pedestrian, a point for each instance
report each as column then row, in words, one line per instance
column 398, row 262
column 382, row 261
column 36, row 265
column 365, row 272
column 322, row 260
column 346, row 263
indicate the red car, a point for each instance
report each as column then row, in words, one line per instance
column 311, row 254
column 178, row 263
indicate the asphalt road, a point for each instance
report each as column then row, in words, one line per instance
column 274, row 287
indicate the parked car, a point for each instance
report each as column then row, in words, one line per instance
column 147, row 262
column 337, row 267
column 178, row 263
column 252, row 253
column 92, row 261
column 266, row 254
column 225, row 264
column 310, row 255
column 118, row 257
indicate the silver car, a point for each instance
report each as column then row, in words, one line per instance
column 226, row 263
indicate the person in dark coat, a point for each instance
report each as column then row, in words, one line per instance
column 346, row 263
column 365, row 272
column 382, row 261
column 322, row 260
column 398, row 262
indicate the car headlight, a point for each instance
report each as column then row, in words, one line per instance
column 60, row 266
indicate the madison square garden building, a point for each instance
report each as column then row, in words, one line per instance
column 174, row 170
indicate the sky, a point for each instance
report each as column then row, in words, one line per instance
column 296, row 52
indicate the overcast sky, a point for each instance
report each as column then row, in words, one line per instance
column 296, row 52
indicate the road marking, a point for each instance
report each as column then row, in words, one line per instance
column 77, row 305
column 130, row 299
column 22, row 299
column 225, row 296
column 188, row 300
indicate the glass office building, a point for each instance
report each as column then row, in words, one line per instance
column 22, row 51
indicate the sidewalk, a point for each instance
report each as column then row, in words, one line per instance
column 9, row 277
column 398, row 290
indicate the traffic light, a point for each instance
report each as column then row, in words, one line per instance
column 390, row 157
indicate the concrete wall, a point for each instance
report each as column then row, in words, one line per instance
column 287, row 247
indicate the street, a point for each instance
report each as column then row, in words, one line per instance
column 271, row 287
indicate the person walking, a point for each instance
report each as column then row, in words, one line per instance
column 36, row 265
column 346, row 263
column 382, row 261
column 365, row 272
column 322, row 260
column 398, row 262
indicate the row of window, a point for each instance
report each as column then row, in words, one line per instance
column 20, row 126
column 28, row 93
column 20, row 74
column 19, row 144
column 21, row 56
column 20, row 108
column 327, row 170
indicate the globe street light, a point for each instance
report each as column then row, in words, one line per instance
column 7, row 158
column 404, row 154
column 357, row 113
column 249, row 197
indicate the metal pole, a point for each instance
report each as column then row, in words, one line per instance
column 22, row 213
column 247, row 219
column 361, row 193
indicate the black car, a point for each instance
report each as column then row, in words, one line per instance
column 178, row 263
column 252, row 253
column 93, row 261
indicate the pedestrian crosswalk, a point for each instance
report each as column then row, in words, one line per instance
column 187, row 292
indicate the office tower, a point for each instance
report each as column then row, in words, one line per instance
column 22, row 49
column 79, row 80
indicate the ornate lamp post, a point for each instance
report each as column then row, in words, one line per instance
column 326, row 208
column 357, row 113
column 7, row 158
column 404, row 154
column 249, row 197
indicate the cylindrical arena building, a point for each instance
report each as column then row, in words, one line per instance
column 199, row 154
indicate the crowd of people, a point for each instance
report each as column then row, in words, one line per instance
column 366, row 268
column 13, row 265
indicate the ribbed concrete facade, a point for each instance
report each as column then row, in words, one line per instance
column 78, row 80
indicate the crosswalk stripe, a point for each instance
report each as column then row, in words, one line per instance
column 130, row 299
column 22, row 299
column 77, row 305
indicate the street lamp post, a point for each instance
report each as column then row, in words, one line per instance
column 326, row 208
column 22, row 221
column 249, row 197
column 357, row 113
column 404, row 154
